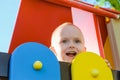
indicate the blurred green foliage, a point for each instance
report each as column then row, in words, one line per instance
column 112, row 3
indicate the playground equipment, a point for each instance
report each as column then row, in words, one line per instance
column 38, row 18
column 33, row 60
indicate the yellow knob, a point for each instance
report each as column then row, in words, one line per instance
column 95, row 72
column 96, row 6
column 37, row 65
column 107, row 19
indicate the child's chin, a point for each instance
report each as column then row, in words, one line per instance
column 70, row 60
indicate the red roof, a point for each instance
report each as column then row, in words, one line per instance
column 88, row 7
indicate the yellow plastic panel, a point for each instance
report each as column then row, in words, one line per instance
column 90, row 66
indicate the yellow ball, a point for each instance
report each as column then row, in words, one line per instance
column 37, row 65
column 95, row 72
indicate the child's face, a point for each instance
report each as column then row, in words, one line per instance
column 69, row 42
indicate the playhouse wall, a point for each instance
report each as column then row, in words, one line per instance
column 113, row 28
column 36, row 20
column 101, row 27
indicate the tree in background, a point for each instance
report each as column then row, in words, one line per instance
column 112, row 3
column 105, row 3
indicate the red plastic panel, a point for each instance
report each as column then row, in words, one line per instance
column 36, row 20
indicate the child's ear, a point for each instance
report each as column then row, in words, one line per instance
column 52, row 49
column 84, row 49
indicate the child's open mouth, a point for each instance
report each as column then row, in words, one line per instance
column 71, row 54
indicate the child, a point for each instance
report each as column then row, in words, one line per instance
column 67, row 41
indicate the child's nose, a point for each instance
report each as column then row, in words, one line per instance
column 71, row 45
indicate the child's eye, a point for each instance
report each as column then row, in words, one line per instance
column 77, row 41
column 64, row 41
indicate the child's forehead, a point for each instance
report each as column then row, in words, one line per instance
column 68, row 29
